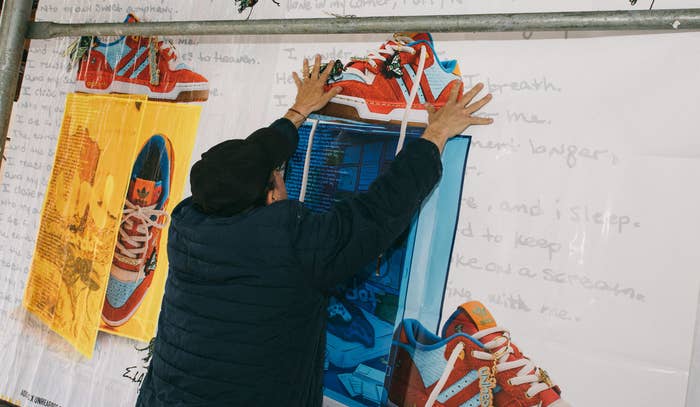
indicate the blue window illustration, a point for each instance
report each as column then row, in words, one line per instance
column 342, row 160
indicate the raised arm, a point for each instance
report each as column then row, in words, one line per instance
column 335, row 245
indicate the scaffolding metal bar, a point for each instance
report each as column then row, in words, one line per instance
column 681, row 19
column 13, row 29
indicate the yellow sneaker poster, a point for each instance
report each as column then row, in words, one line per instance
column 139, row 268
column 81, row 214
column 119, row 167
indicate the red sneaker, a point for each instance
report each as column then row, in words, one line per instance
column 379, row 87
column 457, row 370
column 136, row 252
column 139, row 65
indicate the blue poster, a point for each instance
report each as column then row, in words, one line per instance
column 336, row 159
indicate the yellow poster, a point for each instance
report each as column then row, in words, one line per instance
column 99, row 261
column 134, row 294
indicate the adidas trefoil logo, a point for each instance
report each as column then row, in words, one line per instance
column 143, row 193
column 484, row 315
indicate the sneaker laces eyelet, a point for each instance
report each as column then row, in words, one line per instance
column 389, row 48
column 454, row 355
column 143, row 215
column 462, row 354
column 501, row 349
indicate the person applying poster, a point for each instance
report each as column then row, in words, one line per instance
column 244, row 310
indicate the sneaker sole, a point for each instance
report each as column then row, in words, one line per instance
column 116, row 324
column 558, row 403
column 191, row 92
column 353, row 108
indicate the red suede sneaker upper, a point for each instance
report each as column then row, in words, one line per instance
column 383, row 90
column 417, row 366
column 472, row 317
column 141, row 61
column 422, row 366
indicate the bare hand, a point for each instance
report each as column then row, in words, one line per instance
column 456, row 116
column 311, row 95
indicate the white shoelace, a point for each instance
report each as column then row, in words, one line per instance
column 390, row 50
column 529, row 373
column 411, row 98
column 445, row 374
column 134, row 213
column 307, row 161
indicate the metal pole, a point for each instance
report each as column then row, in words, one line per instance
column 681, row 19
column 13, row 29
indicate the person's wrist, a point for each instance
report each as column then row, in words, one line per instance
column 437, row 131
column 437, row 135
column 301, row 109
column 297, row 114
column 297, row 118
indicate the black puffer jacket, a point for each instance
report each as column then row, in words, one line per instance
column 244, row 312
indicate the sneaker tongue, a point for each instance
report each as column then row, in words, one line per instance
column 419, row 37
column 144, row 192
column 470, row 318
column 360, row 64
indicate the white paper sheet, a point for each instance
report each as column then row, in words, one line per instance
column 631, row 101
column 578, row 224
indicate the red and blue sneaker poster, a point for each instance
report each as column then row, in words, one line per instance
column 338, row 158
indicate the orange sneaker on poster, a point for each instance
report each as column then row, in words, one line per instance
column 473, row 364
column 139, row 65
column 144, row 217
column 403, row 73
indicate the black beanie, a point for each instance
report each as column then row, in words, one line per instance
column 232, row 176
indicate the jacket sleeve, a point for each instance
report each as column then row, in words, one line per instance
column 288, row 129
column 333, row 246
